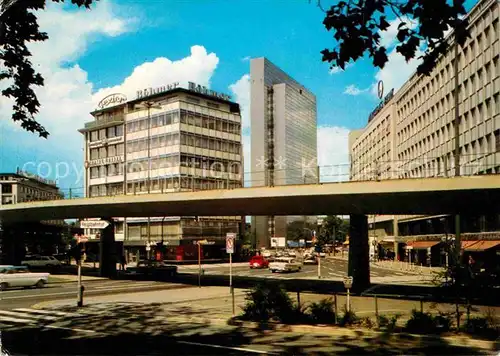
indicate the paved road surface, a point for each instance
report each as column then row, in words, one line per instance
column 334, row 269
column 21, row 298
column 131, row 328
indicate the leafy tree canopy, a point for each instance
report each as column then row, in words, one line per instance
column 298, row 229
column 333, row 226
column 18, row 27
column 356, row 27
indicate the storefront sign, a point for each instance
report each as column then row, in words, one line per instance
column 151, row 91
column 387, row 98
column 106, row 141
column 103, row 161
column 111, row 100
column 204, row 90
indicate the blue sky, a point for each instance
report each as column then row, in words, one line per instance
column 122, row 45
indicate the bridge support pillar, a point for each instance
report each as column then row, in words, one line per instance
column 359, row 263
column 11, row 244
column 107, row 253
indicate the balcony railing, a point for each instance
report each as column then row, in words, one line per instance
column 118, row 119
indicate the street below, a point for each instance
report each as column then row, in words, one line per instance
column 194, row 321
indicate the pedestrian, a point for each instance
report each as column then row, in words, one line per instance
column 123, row 262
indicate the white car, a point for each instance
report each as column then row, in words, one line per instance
column 285, row 264
column 41, row 261
column 20, row 276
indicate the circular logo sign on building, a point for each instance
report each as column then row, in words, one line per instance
column 380, row 89
column 111, row 100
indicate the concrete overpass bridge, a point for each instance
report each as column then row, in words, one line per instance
column 472, row 194
column 456, row 195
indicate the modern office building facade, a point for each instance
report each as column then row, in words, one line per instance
column 283, row 138
column 411, row 134
column 167, row 139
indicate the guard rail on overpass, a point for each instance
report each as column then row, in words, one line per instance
column 464, row 195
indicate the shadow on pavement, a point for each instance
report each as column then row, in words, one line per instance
column 138, row 329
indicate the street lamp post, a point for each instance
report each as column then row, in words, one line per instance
column 456, row 127
column 148, row 105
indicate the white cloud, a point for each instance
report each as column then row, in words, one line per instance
column 71, row 32
column 396, row 71
column 333, row 153
column 68, row 96
column 65, row 99
column 353, row 90
column 337, row 69
column 241, row 91
column 246, row 59
column 198, row 67
column 388, row 37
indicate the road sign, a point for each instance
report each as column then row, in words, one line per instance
column 348, row 282
column 82, row 239
column 94, row 224
column 230, row 237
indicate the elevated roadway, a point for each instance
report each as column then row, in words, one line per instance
column 464, row 195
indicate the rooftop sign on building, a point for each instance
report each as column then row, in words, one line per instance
column 204, row 90
column 380, row 93
column 35, row 177
column 191, row 87
column 158, row 90
column 112, row 100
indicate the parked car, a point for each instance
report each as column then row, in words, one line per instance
column 152, row 268
column 259, row 262
column 20, row 276
column 285, row 264
column 34, row 261
column 310, row 260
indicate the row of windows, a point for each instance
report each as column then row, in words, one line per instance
column 109, row 170
column 482, row 146
column 209, row 122
column 185, row 117
column 477, row 114
column 467, row 89
column 192, row 161
column 188, row 139
column 165, row 140
column 158, row 185
column 157, row 120
column 105, row 152
column 421, row 93
column 110, row 132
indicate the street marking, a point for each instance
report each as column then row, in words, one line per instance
column 42, row 317
column 48, row 312
column 135, row 285
column 226, row 347
column 16, row 320
column 71, row 329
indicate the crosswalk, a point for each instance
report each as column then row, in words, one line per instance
column 32, row 317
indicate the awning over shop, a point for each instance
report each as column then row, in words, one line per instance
column 479, row 245
column 421, row 245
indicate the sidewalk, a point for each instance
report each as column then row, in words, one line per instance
column 68, row 278
column 211, row 307
column 396, row 266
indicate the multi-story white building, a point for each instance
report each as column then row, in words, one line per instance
column 167, row 139
column 283, row 138
column 22, row 187
column 411, row 134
